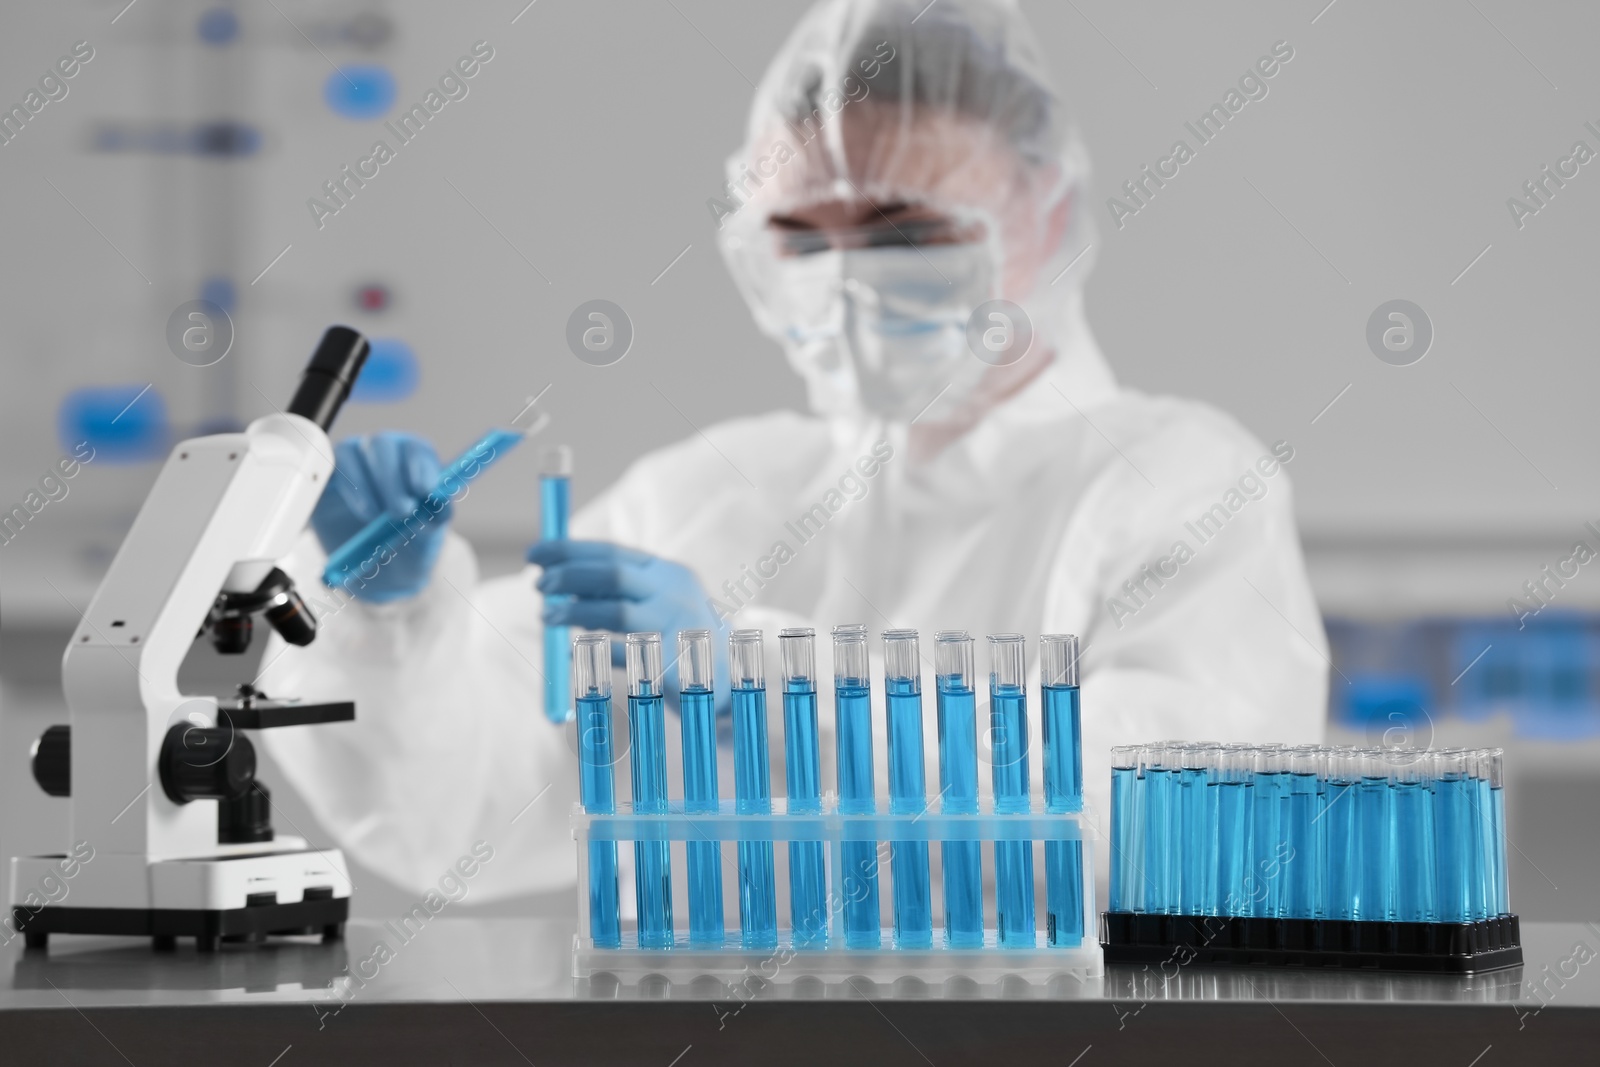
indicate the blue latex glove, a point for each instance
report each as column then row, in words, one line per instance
column 625, row 591
column 387, row 473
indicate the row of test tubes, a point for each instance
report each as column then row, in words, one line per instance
column 1309, row 832
column 857, row 883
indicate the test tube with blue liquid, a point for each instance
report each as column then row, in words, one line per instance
column 1487, row 898
column 1496, row 774
column 1235, row 837
column 1127, row 830
column 698, row 711
column 957, row 710
column 1454, row 821
column 1375, row 834
column 1008, row 733
column 1265, row 883
column 1197, row 859
column 1411, row 802
column 555, row 508
column 1307, row 860
column 1063, row 786
column 1340, row 814
column 647, row 731
column 908, row 860
column 591, row 671
column 852, row 695
column 752, row 788
column 388, row 535
column 808, row 888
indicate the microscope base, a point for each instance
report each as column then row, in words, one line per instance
column 208, row 928
column 241, row 893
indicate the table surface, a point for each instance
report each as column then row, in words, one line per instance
column 508, row 982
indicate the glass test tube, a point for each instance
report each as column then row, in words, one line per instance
column 1235, row 827
column 1008, row 732
column 647, row 730
column 698, row 713
column 1063, row 786
column 1454, row 822
column 1497, row 832
column 591, row 671
column 1375, row 837
column 1485, row 902
column 1264, row 883
column 808, row 889
column 752, row 788
column 852, row 694
column 1411, row 805
column 908, row 790
column 1197, row 859
column 957, row 708
column 555, row 505
column 1306, row 859
column 1127, row 830
column 1339, row 813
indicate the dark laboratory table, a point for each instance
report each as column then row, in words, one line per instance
column 500, row 991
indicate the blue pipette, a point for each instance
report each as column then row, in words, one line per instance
column 386, row 535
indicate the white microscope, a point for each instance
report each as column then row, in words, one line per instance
column 172, row 834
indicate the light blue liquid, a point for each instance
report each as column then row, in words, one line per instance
column 1127, row 840
column 1304, row 861
column 1487, row 896
column 555, row 495
column 1063, row 792
column 597, row 789
column 808, row 890
column 1344, row 867
column 1412, row 804
column 1502, row 875
column 1455, row 825
column 908, row 795
column 1265, row 887
column 698, row 711
column 1235, row 846
column 853, row 729
column 752, row 791
column 1013, row 860
column 647, row 727
column 1375, row 843
column 957, row 710
column 1161, row 813
column 1197, row 875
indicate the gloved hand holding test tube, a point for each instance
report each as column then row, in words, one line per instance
column 387, row 534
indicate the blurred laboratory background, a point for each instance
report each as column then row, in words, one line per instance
column 1442, row 492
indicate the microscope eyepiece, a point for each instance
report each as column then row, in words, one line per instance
column 329, row 376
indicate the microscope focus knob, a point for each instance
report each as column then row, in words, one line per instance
column 52, row 761
column 206, row 762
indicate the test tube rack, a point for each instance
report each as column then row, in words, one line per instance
column 829, row 957
column 841, row 846
column 1313, row 857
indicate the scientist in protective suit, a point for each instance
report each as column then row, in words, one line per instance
column 903, row 165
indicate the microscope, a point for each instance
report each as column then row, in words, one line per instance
column 172, row 833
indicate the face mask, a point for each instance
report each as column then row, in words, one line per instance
column 883, row 331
